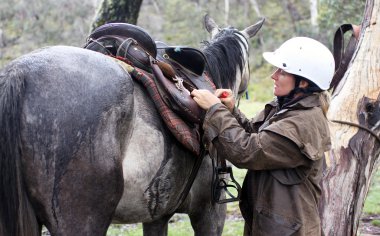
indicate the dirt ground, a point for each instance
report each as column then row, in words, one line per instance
column 366, row 228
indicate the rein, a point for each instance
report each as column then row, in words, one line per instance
column 358, row 126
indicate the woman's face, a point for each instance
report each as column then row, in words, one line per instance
column 283, row 82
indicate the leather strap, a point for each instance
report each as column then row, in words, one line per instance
column 343, row 53
column 190, row 181
column 179, row 99
column 223, row 180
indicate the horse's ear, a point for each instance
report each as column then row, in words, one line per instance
column 252, row 30
column 210, row 25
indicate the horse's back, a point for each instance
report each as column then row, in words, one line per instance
column 77, row 105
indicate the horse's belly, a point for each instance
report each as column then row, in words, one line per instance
column 141, row 162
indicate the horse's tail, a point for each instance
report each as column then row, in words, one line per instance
column 17, row 216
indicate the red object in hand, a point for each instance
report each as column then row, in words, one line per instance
column 224, row 94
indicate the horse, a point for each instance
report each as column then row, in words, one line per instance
column 83, row 146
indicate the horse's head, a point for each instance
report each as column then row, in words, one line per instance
column 227, row 55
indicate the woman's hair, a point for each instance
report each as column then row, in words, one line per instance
column 324, row 99
column 324, row 96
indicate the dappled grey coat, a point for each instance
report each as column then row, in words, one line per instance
column 283, row 150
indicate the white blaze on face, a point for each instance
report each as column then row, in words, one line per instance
column 242, row 77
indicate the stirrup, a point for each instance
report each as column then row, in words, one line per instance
column 229, row 185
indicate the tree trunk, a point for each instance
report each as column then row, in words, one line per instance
column 2, row 41
column 293, row 13
column 117, row 11
column 353, row 158
column 226, row 11
column 314, row 15
column 256, row 8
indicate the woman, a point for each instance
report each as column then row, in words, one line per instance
column 283, row 146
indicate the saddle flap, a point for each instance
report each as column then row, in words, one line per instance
column 176, row 95
column 190, row 58
column 126, row 30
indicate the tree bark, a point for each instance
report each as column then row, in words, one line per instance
column 353, row 159
column 117, row 11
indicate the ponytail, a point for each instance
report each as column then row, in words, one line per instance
column 324, row 99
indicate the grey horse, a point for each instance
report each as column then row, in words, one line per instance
column 83, row 146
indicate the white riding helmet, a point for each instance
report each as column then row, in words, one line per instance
column 305, row 57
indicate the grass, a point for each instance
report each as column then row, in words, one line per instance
column 179, row 228
column 372, row 203
column 376, row 223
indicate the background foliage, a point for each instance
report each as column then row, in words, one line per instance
column 26, row 25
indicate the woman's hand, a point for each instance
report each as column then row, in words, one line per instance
column 204, row 98
column 226, row 97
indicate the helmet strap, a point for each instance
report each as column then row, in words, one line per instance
column 289, row 99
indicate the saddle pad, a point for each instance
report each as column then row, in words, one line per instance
column 186, row 135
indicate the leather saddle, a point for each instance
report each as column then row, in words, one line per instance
column 177, row 70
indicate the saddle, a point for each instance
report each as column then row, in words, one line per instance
column 175, row 70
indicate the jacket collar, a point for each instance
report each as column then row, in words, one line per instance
column 307, row 101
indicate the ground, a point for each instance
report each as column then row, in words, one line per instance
column 367, row 227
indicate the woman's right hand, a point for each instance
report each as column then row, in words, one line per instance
column 226, row 97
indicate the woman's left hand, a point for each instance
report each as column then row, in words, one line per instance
column 204, row 98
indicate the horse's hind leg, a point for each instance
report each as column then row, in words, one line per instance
column 80, row 197
column 158, row 227
column 84, row 201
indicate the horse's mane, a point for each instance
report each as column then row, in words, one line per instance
column 224, row 53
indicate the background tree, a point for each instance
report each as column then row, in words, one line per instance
column 354, row 156
column 117, row 11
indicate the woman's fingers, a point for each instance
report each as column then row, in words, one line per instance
column 204, row 98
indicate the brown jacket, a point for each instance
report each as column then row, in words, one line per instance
column 283, row 151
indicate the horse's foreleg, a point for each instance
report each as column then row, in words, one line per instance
column 209, row 220
column 158, row 227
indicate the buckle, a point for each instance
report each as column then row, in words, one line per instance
column 227, row 183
